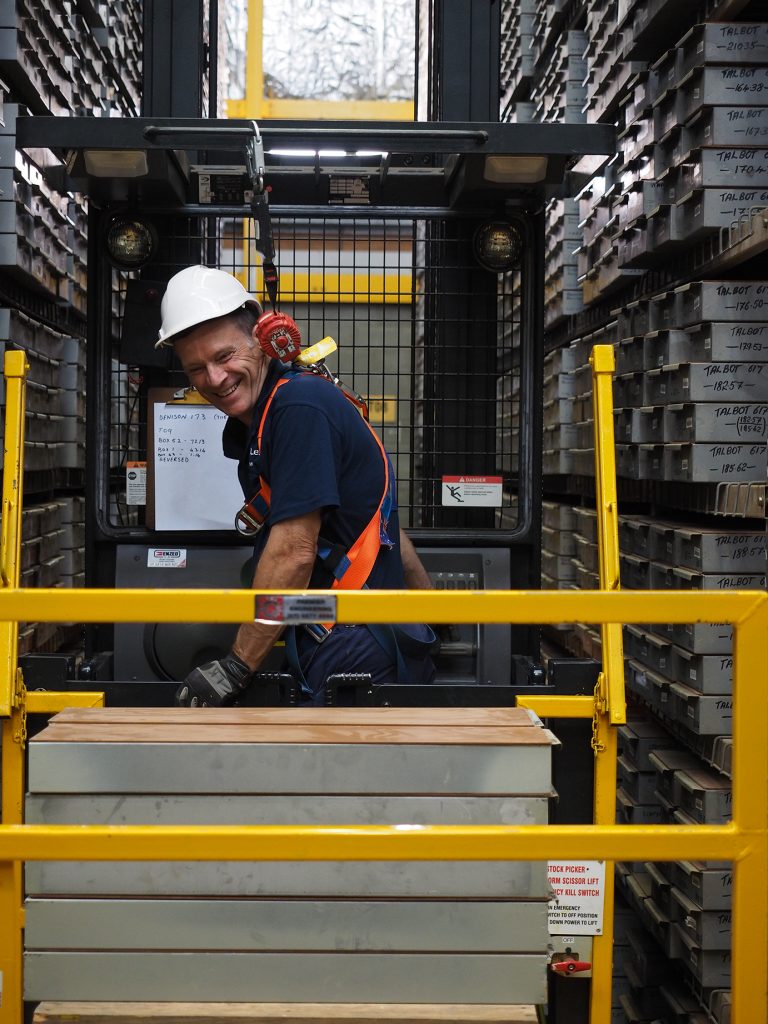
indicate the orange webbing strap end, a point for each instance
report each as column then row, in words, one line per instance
column 364, row 552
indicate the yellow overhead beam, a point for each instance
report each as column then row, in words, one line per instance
column 256, row 105
column 321, row 110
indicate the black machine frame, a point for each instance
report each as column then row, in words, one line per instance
column 434, row 171
column 435, row 165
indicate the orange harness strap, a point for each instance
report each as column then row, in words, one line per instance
column 358, row 563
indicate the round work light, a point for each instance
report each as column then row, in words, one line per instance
column 131, row 242
column 498, row 246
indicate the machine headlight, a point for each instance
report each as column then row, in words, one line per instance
column 131, row 242
column 498, row 246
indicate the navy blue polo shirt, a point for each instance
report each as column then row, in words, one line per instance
column 316, row 453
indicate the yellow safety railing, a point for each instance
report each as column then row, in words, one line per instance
column 607, row 707
column 15, row 702
column 744, row 840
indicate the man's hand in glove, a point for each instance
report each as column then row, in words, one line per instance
column 215, row 684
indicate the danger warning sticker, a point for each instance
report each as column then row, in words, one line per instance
column 136, row 483
column 472, row 490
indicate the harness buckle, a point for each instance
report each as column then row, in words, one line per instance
column 246, row 522
column 317, row 631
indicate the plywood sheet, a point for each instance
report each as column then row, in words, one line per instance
column 279, row 1013
column 189, row 732
column 455, row 717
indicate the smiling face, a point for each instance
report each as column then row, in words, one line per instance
column 225, row 365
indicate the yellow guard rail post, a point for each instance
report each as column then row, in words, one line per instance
column 607, row 707
column 12, row 707
column 610, row 698
column 15, row 701
column 10, row 538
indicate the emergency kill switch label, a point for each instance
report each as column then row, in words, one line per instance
column 578, row 892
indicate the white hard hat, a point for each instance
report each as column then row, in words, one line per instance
column 198, row 294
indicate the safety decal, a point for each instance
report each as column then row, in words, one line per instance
column 166, row 558
column 579, row 893
column 472, row 490
column 136, row 483
column 294, row 609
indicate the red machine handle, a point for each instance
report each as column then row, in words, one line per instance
column 571, row 966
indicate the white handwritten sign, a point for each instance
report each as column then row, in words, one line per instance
column 196, row 488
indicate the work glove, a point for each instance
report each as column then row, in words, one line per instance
column 215, row 684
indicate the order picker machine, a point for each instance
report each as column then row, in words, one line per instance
column 419, row 249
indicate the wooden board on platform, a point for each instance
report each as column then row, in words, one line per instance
column 442, row 726
column 279, row 1013
column 214, row 732
column 459, row 718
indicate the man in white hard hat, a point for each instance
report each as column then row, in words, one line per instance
column 315, row 472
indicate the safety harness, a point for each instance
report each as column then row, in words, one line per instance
column 350, row 567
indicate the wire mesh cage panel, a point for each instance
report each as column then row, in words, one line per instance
column 424, row 334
